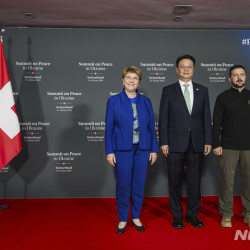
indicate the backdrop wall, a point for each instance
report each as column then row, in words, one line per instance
column 62, row 78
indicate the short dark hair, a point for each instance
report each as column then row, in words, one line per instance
column 236, row 66
column 184, row 57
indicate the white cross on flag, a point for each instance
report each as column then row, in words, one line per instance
column 10, row 136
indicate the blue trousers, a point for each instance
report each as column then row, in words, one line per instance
column 130, row 173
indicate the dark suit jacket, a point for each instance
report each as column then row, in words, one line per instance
column 176, row 124
column 119, row 124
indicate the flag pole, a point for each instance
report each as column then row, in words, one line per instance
column 2, row 31
column 2, row 207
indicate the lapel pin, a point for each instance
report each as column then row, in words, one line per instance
column 197, row 89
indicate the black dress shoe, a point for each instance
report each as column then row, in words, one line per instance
column 195, row 222
column 177, row 222
column 121, row 230
column 138, row 228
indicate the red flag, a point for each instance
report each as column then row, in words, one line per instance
column 10, row 136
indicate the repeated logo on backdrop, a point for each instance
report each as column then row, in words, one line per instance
column 33, row 131
column 33, row 71
column 157, row 71
column 217, row 72
column 93, row 131
column 63, row 161
column 64, row 101
column 95, row 71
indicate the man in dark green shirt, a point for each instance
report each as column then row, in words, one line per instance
column 231, row 141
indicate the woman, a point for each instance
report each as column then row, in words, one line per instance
column 130, row 142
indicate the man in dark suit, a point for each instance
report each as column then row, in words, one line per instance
column 185, row 136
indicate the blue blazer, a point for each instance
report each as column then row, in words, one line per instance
column 176, row 124
column 119, row 124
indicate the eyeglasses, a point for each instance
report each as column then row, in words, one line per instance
column 129, row 78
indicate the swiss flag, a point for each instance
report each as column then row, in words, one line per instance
column 10, row 136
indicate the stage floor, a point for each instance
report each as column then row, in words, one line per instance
column 90, row 223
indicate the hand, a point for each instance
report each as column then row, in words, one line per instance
column 111, row 159
column 207, row 149
column 165, row 150
column 218, row 151
column 152, row 158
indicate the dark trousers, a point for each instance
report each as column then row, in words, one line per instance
column 130, row 171
column 176, row 163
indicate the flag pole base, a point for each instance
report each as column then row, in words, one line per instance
column 3, row 207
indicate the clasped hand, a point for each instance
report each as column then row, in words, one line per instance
column 112, row 160
column 165, row 150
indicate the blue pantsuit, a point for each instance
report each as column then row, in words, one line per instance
column 131, row 159
column 130, row 172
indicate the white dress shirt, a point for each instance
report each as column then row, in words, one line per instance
column 190, row 89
